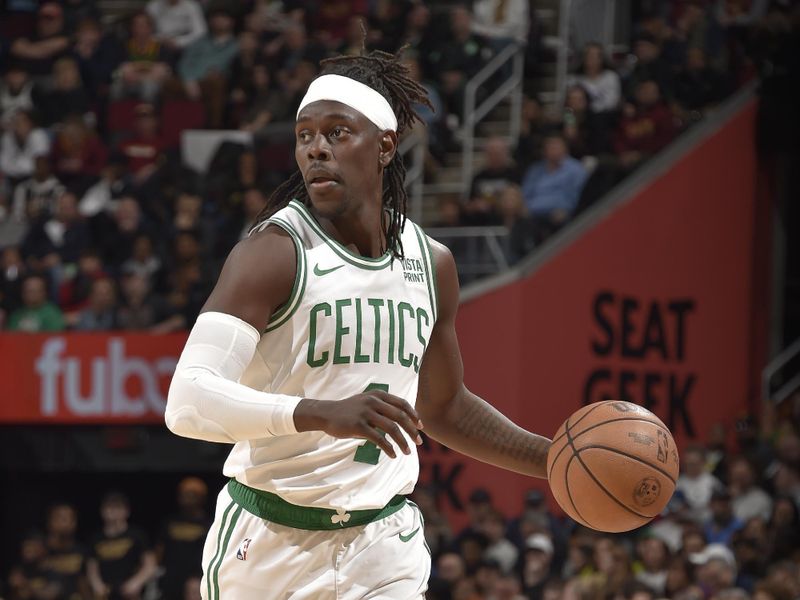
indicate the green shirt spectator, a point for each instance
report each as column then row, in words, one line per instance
column 213, row 52
column 37, row 314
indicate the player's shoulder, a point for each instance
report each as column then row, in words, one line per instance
column 442, row 257
column 270, row 240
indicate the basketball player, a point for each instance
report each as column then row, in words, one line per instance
column 326, row 346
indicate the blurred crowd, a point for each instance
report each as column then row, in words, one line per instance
column 104, row 226
column 120, row 561
column 730, row 532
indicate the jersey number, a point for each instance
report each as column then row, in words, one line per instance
column 368, row 453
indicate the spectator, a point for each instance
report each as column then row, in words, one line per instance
column 73, row 293
column 501, row 21
column 204, row 62
column 650, row 66
column 716, row 568
column 64, row 95
column 698, row 85
column 37, row 314
column 144, row 151
column 438, row 534
column 636, row 590
column 190, row 276
column 722, row 524
column 487, row 575
column 507, row 587
column 264, row 103
column 536, row 565
column 651, row 568
column 786, row 480
column 50, row 42
column 472, row 546
column 126, row 226
column 450, row 568
column 434, row 130
column 613, row 567
column 145, row 64
column 679, row 578
column 143, row 260
column 179, row 22
column 552, row 186
column 12, row 274
column 585, row 131
column 15, row 93
column 749, row 500
column 238, row 226
column 286, row 52
column 143, row 310
column 120, row 562
column 31, row 578
column 59, row 239
column 500, row 549
column 479, row 506
column 353, row 41
column 65, row 556
column 101, row 312
column 600, row 81
column 78, row 155
column 751, row 553
column 191, row 590
column 696, row 483
column 646, row 127
column 180, row 546
column 99, row 55
column 459, row 59
column 420, row 37
column 35, row 198
column 21, row 145
column 783, row 535
column 331, row 19
column 112, row 185
column 532, row 132
column 499, row 172
column 521, row 236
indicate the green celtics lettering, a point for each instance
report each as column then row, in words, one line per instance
column 367, row 330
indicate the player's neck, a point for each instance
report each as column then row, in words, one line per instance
column 360, row 231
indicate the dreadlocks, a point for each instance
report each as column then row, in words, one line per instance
column 384, row 73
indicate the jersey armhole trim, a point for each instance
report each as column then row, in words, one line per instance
column 430, row 268
column 286, row 310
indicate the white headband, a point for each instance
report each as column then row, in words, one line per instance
column 355, row 95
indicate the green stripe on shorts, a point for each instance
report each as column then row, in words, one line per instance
column 216, row 554
column 224, row 549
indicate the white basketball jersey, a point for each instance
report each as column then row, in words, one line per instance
column 352, row 323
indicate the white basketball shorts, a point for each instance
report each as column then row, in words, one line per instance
column 247, row 557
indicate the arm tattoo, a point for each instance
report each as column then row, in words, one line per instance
column 478, row 421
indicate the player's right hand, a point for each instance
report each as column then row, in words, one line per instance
column 367, row 415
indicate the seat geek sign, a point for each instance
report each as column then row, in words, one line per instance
column 86, row 377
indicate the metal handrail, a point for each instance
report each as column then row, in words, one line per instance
column 474, row 114
column 491, row 235
column 774, row 366
column 414, row 145
column 562, row 55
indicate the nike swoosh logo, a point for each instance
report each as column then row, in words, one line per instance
column 405, row 538
column 320, row 272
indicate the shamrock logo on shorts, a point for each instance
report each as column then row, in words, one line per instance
column 341, row 517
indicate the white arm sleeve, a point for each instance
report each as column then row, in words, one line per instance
column 206, row 400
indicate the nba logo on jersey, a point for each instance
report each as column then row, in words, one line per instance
column 241, row 552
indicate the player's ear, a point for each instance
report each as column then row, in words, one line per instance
column 387, row 146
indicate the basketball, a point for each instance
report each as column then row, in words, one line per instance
column 612, row 466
